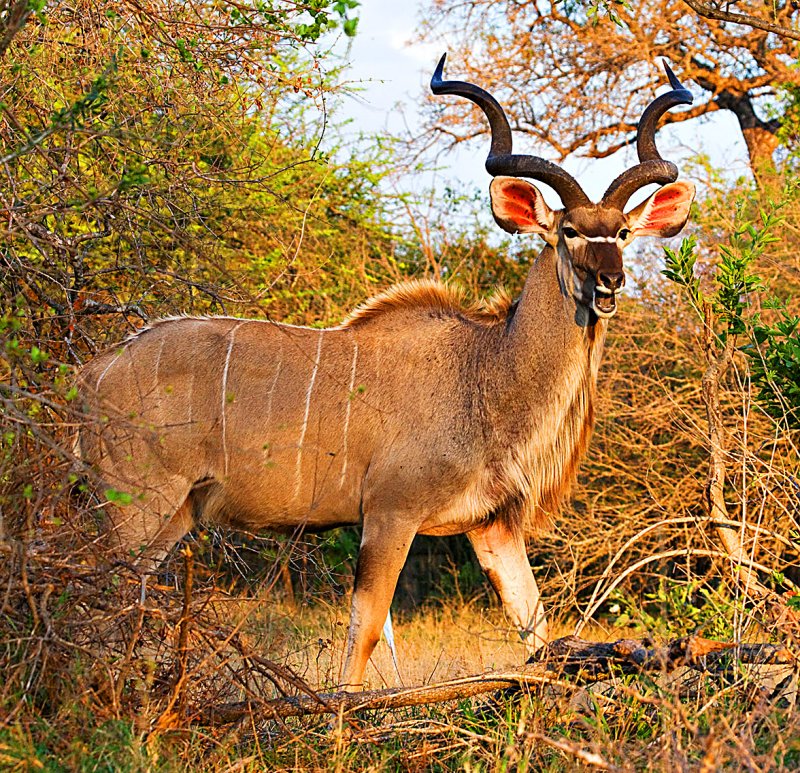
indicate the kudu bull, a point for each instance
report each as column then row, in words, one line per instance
column 417, row 415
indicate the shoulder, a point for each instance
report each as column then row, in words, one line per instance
column 434, row 298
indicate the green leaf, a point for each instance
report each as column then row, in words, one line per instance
column 118, row 497
column 680, row 269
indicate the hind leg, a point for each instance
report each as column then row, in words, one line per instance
column 385, row 541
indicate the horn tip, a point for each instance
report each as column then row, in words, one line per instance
column 439, row 71
column 678, row 89
column 673, row 79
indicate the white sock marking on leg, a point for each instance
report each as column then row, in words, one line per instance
column 388, row 634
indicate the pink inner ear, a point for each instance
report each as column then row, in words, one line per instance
column 515, row 206
column 664, row 208
column 518, row 212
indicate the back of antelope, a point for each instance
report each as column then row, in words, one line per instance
column 417, row 415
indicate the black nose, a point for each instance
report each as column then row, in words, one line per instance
column 611, row 281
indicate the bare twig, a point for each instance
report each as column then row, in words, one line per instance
column 718, row 364
column 13, row 15
column 176, row 705
column 583, row 755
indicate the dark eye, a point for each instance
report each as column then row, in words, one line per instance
column 623, row 234
column 570, row 233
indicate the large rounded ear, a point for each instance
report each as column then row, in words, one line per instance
column 519, row 207
column 664, row 213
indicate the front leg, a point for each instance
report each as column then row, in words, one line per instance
column 503, row 558
column 385, row 541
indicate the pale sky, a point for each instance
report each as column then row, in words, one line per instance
column 396, row 73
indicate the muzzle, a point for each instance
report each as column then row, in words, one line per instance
column 606, row 285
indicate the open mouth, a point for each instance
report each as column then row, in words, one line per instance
column 605, row 302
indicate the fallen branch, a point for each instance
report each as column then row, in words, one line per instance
column 597, row 660
column 393, row 698
column 568, row 656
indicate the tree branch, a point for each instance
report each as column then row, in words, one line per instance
column 708, row 11
column 13, row 15
column 718, row 363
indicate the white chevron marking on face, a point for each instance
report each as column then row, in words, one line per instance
column 608, row 239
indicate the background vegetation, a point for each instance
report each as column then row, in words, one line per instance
column 162, row 158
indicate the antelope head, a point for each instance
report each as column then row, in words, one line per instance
column 588, row 238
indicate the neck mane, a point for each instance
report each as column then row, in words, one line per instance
column 551, row 360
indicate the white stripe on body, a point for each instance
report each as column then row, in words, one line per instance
column 158, row 359
column 106, row 369
column 298, row 468
column 190, row 396
column 225, row 395
column 347, row 412
column 271, row 392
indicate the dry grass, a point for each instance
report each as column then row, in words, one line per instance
column 91, row 688
column 435, row 643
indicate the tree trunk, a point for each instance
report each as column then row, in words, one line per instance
column 761, row 137
column 761, row 144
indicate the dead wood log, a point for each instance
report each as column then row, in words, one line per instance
column 393, row 698
column 570, row 656
column 597, row 660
